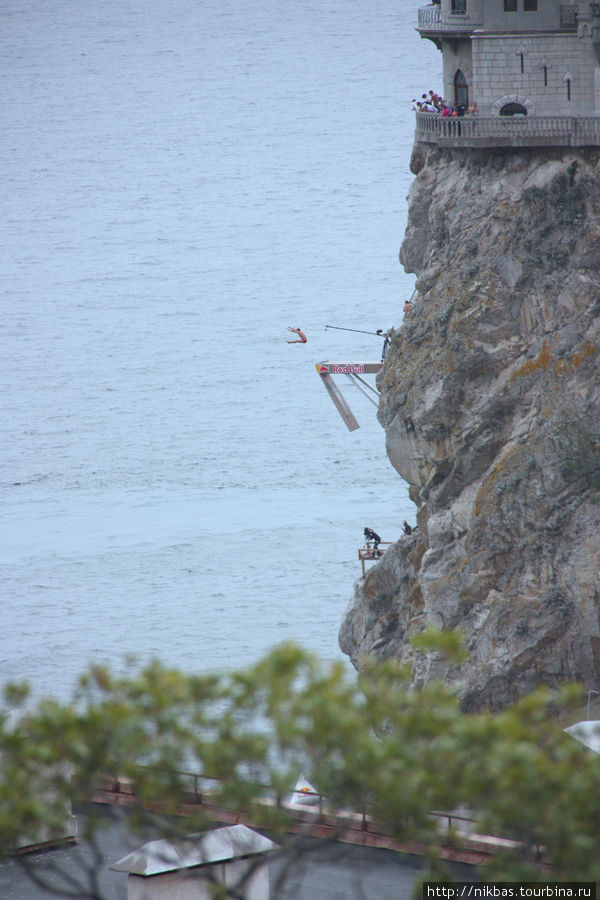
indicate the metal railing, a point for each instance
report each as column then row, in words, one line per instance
column 313, row 813
column 508, row 131
column 200, row 792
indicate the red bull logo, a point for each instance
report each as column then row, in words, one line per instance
column 347, row 368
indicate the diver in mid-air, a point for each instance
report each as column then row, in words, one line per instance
column 302, row 339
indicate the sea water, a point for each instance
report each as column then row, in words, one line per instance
column 181, row 182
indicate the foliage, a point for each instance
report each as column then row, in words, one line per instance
column 370, row 743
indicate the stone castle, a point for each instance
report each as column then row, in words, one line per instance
column 521, row 60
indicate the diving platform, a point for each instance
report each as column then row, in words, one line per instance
column 369, row 552
column 355, row 371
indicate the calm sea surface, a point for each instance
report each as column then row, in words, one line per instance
column 180, row 182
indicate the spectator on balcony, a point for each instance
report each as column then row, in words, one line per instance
column 473, row 109
column 435, row 100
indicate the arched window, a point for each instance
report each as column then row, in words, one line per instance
column 461, row 89
column 513, row 109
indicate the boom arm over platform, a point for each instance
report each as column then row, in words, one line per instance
column 354, row 371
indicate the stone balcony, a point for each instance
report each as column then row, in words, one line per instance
column 508, row 131
column 432, row 20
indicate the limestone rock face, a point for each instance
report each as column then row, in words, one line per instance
column 491, row 407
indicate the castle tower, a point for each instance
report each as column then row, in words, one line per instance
column 538, row 59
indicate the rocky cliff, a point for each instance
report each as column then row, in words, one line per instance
column 490, row 400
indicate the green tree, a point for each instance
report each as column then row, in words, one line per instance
column 369, row 743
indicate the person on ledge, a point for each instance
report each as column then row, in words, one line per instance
column 372, row 536
column 386, row 342
column 406, row 528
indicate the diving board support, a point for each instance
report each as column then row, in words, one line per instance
column 338, row 399
column 366, row 383
column 361, row 384
column 354, row 371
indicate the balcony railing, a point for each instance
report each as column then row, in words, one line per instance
column 508, row 131
column 431, row 18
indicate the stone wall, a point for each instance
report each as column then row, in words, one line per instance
column 497, row 76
